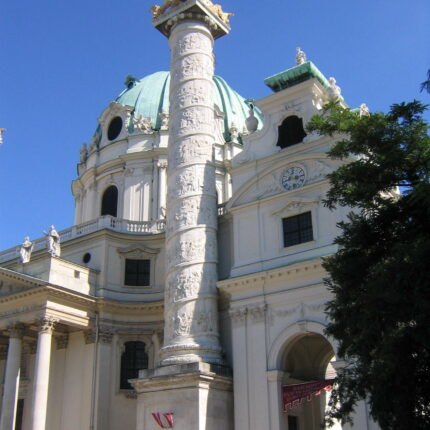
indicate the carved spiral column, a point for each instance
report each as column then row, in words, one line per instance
column 12, row 376
column 41, row 374
column 191, row 330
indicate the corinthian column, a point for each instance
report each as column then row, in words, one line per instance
column 11, row 385
column 41, row 374
column 191, row 330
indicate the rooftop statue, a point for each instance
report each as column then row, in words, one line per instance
column 2, row 130
column 25, row 250
column 53, row 242
column 364, row 110
column 333, row 90
column 300, row 57
column 157, row 10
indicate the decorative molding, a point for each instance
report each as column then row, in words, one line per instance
column 257, row 312
column 137, row 251
column 238, row 315
column 296, row 206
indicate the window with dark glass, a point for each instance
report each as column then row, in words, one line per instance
column 293, row 422
column 297, row 229
column 137, row 272
column 114, row 128
column 110, row 201
column 291, row 131
column 133, row 359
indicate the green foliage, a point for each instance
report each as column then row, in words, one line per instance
column 380, row 277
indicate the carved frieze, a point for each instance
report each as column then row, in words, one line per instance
column 193, row 120
column 238, row 315
column 257, row 312
column 192, row 42
column 192, row 247
column 191, row 93
column 192, row 150
column 193, row 66
column 192, row 211
column 62, row 341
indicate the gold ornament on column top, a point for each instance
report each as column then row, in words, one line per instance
column 169, row 5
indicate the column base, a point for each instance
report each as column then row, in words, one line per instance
column 199, row 395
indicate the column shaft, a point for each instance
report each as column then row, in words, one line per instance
column 11, row 386
column 191, row 331
column 41, row 376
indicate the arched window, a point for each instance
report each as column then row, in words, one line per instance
column 110, row 201
column 133, row 359
column 291, row 131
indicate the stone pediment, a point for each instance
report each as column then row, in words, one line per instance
column 138, row 251
column 13, row 282
column 275, row 180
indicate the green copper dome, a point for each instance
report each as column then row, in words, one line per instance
column 150, row 96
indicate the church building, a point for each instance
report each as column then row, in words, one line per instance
column 189, row 293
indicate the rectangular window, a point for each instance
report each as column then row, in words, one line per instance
column 137, row 273
column 297, row 229
column 293, row 422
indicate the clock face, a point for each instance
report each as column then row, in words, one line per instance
column 293, row 178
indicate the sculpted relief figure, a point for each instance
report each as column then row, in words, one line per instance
column 53, row 242
column 26, row 250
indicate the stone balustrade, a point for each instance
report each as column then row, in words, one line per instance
column 105, row 222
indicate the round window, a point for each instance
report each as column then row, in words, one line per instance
column 86, row 258
column 115, row 128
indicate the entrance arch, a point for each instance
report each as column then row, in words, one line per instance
column 302, row 354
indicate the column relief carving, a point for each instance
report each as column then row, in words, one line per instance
column 89, row 336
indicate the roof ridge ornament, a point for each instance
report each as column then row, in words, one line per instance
column 300, row 57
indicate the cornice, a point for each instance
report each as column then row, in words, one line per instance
column 292, row 271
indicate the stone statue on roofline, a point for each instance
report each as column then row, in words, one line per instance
column 334, row 91
column 2, row 130
column 53, row 242
column 364, row 110
column 300, row 57
column 25, row 250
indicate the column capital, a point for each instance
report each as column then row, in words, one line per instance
column 162, row 164
column 16, row 331
column 106, row 335
column 62, row 341
column 46, row 324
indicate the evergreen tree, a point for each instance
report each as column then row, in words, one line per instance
column 380, row 276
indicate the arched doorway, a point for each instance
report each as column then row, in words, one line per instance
column 307, row 359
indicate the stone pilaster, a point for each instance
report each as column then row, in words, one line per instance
column 41, row 374
column 12, row 375
column 191, row 331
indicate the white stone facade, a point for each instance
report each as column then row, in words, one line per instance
column 221, row 294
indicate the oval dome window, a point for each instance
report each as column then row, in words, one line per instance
column 115, row 128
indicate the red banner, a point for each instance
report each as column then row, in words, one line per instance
column 296, row 394
column 165, row 421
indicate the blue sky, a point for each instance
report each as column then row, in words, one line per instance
column 62, row 62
